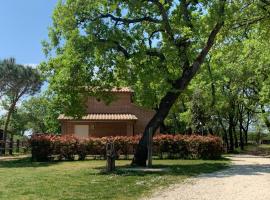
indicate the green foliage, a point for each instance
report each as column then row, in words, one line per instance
column 150, row 45
column 236, row 76
column 144, row 45
column 17, row 82
column 18, row 122
column 42, row 112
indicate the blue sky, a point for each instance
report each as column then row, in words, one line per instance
column 24, row 24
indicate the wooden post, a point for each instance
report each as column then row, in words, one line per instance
column 150, row 148
column 11, row 145
column 18, row 146
column 110, row 153
column 1, row 142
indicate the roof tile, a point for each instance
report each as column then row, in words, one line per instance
column 102, row 117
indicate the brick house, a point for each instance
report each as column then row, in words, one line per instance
column 120, row 118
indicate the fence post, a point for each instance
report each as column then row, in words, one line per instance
column 18, row 146
column 110, row 153
column 11, row 145
column 150, row 148
column 1, row 142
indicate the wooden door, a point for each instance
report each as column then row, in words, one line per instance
column 81, row 131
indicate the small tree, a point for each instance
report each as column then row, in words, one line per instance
column 18, row 81
column 41, row 113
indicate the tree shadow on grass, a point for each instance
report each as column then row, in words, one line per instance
column 163, row 169
column 24, row 162
column 206, row 169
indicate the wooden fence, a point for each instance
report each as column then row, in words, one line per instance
column 12, row 147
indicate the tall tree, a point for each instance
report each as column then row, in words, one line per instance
column 155, row 46
column 159, row 44
column 20, row 81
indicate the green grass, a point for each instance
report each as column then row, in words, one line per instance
column 260, row 150
column 24, row 180
column 265, row 146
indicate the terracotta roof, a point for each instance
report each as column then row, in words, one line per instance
column 102, row 117
column 122, row 89
column 115, row 89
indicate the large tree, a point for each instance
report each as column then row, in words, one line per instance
column 20, row 81
column 155, row 46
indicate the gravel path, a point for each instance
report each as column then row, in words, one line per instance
column 247, row 179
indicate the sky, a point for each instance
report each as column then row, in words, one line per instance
column 24, row 24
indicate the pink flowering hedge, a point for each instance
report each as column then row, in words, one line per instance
column 46, row 147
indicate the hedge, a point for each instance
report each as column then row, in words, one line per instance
column 46, row 147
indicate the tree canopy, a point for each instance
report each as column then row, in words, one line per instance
column 17, row 81
column 154, row 46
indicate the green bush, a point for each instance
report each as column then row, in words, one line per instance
column 41, row 147
column 67, row 147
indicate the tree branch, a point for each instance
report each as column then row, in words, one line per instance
column 158, row 54
column 190, row 71
column 152, row 35
column 186, row 16
column 248, row 22
column 165, row 19
column 200, row 58
column 117, row 46
column 126, row 20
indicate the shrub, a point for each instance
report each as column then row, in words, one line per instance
column 210, row 148
column 82, row 149
column 67, row 147
column 41, row 147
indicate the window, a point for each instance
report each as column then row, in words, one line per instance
column 81, row 131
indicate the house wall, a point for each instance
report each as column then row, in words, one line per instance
column 110, row 129
column 101, row 129
column 120, row 105
column 123, row 105
column 143, row 115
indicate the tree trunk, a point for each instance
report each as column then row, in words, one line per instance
column 247, row 128
column 166, row 103
column 10, row 110
column 246, row 137
column 177, row 88
column 236, row 145
column 225, row 139
column 225, row 135
column 210, row 131
column 265, row 118
column 231, row 138
column 241, row 130
column 213, row 87
column 241, row 137
column 163, row 128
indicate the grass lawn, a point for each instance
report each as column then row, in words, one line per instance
column 260, row 150
column 24, row 180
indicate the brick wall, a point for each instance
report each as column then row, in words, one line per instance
column 123, row 105
column 120, row 105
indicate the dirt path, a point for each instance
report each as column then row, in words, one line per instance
column 247, row 179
